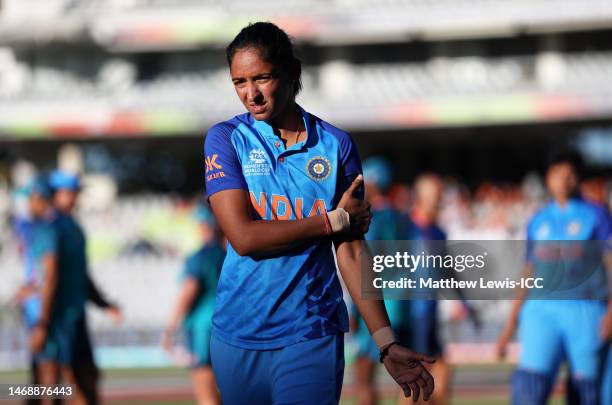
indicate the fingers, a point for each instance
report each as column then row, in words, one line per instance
column 427, row 382
column 358, row 182
column 406, row 389
column 423, row 381
column 361, row 217
column 416, row 391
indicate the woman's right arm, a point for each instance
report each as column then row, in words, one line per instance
column 250, row 237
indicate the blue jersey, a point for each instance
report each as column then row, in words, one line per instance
column 204, row 266
column 550, row 234
column 278, row 300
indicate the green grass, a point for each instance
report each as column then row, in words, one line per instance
column 174, row 373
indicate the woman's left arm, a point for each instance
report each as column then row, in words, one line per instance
column 402, row 364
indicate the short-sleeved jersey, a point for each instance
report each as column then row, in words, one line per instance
column 564, row 236
column 274, row 301
column 203, row 266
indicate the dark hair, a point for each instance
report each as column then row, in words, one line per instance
column 566, row 155
column 273, row 44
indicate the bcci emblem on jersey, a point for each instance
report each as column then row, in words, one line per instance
column 318, row 168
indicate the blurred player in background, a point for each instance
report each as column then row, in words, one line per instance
column 66, row 188
column 577, row 330
column 195, row 305
column 284, row 185
column 428, row 191
column 387, row 224
column 59, row 281
column 32, row 233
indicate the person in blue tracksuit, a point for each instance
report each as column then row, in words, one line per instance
column 285, row 188
column 194, row 307
column 577, row 328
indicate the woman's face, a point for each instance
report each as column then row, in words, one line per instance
column 262, row 87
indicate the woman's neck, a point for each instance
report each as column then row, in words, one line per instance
column 289, row 125
column 286, row 119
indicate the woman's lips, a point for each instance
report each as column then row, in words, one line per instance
column 257, row 109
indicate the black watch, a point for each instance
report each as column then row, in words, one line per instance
column 384, row 352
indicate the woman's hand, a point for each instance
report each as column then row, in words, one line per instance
column 357, row 208
column 406, row 368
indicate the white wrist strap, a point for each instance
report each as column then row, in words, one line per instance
column 339, row 220
column 383, row 337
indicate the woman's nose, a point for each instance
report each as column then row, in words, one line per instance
column 252, row 92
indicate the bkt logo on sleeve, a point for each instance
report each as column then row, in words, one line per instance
column 212, row 165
